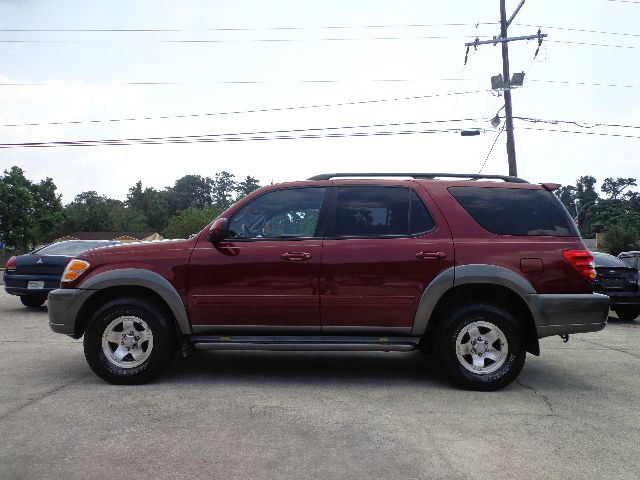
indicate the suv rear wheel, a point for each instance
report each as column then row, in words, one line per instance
column 129, row 341
column 481, row 346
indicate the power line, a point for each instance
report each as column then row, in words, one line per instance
column 623, row 1
column 578, row 124
column 323, row 132
column 238, row 82
column 251, row 40
column 589, row 44
column 311, row 81
column 292, row 40
column 238, row 112
column 565, row 82
column 580, row 30
column 294, row 134
column 242, row 29
column 599, row 134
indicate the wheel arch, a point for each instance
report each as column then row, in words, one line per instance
column 485, row 283
column 132, row 282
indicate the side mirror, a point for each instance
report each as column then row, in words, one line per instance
column 219, row 230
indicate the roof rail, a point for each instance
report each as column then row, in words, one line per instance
column 471, row 176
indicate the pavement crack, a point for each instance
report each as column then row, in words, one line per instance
column 544, row 397
column 41, row 397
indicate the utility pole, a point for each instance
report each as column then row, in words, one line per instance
column 511, row 142
column 505, row 83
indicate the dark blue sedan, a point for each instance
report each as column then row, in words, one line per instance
column 33, row 275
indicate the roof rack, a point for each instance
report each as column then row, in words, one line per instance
column 431, row 176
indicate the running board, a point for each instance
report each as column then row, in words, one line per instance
column 296, row 343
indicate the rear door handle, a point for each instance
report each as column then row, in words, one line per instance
column 430, row 255
column 295, row 256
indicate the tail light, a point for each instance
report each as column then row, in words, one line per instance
column 582, row 262
column 11, row 264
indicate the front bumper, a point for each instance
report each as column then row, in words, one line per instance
column 64, row 306
column 560, row 314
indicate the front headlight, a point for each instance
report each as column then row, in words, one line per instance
column 74, row 269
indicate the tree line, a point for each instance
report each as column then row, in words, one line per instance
column 32, row 213
column 616, row 214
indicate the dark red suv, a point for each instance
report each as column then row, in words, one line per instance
column 475, row 268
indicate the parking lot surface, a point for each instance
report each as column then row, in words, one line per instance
column 574, row 413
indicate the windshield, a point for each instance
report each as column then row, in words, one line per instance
column 72, row 247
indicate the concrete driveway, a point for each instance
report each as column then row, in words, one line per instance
column 572, row 414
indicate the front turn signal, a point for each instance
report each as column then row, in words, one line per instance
column 74, row 269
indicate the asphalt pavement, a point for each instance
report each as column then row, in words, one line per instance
column 572, row 414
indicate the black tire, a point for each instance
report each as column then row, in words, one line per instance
column 155, row 353
column 32, row 301
column 627, row 315
column 489, row 320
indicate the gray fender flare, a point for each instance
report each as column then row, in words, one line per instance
column 143, row 278
column 465, row 274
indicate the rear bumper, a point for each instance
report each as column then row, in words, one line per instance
column 17, row 284
column 63, row 306
column 560, row 314
column 624, row 300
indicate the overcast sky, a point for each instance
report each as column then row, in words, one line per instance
column 212, row 58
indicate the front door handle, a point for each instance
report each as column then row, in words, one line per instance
column 430, row 255
column 295, row 256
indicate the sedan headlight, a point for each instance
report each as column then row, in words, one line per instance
column 74, row 269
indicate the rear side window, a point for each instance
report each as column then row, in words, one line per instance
column 380, row 211
column 516, row 211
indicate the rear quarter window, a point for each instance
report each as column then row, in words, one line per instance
column 516, row 211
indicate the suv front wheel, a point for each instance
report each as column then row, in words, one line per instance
column 481, row 346
column 128, row 341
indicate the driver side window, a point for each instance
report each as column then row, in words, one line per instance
column 280, row 214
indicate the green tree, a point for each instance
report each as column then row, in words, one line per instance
column 48, row 217
column 245, row 187
column 608, row 212
column 223, row 187
column 128, row 219
column 153, row 204
column 135, row 197
column 30, row 213
column 190, row 221
column 567, row 195
column 619, row 238
column 586, row 199
column 189, row 191
column 17, row 207
column 634, row 200
column 614, row 187
column 90, row 212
